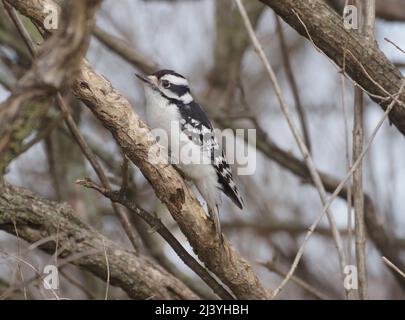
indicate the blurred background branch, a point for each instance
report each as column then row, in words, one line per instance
column 81, row 245
column 205, row 40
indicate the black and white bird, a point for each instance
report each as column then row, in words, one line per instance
column 190, row 140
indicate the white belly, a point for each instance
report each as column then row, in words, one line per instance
column 191, row 159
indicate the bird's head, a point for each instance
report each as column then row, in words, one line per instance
column 167, row 84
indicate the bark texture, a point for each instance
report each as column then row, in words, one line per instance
column 135, row 139
column 364, row 62
column 55, row 65
column 37, row 218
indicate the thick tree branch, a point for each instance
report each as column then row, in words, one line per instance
column 298, row 139
column 56, row 64
column 156, row 224
column 37, row 219
column 383, row 239
column 75, row 132
column 135, row 139
column 364, row 61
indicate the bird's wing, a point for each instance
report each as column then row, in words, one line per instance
column 196, row 125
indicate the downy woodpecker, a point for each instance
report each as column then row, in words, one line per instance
column 189, row 139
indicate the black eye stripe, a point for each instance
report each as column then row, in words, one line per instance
column 179, row 90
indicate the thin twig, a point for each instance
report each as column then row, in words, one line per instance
column 367, row 74
column 37, row 272
column 122, row 215
column 395, row 45
column 393, row 266
column 20, row 27
column 358, row 196
column 371, row 95
column 367, row 21
column 124, row 50
column 78, row 285
column 335, row 195
column 74, row 130
column 394, row 101
column 348, row 165
column 293, row 83
column 301, row 145
column 107, row 281
column 305, row 285
column 157, row 225
column 19, row 255
column 44, row 133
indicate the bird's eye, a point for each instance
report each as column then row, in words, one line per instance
column 165, row 84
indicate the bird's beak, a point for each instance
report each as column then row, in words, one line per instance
column 144, row 79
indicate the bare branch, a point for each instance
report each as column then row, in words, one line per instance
column 125, row 51
column 134, row 138
column 334, row 195
column 293, row 83
column 157, row 225
column 303, row 284
column 37, row 218
column 301, row 145
column 394, row 267
column 365, row 63
column 55, row 66
column 74, row 130
column 367, row 15
column 384, row 240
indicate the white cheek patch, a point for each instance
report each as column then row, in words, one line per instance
column 186, row 98
column 175, row 80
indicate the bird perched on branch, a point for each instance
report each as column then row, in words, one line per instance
column 188, row 136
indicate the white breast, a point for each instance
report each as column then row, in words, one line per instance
column 164, row 119
column 160, row 116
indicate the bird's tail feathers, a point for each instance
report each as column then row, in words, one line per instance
column 234, row 195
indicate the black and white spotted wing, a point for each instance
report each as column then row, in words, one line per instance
column 196, row 125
